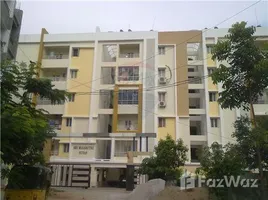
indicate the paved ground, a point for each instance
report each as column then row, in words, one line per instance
column 85, row 194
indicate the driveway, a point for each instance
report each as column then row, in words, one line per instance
column 85, row 194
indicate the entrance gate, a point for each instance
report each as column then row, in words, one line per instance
column 70, row 175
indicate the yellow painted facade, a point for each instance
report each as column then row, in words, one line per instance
column 64, row 128
column 214, row 108
column 84, row 64
column 211, row 86
column 169, row 129
column 25, row 194
column 61, row 152
column 115, row 109
column 210, row 62
column 47, row 149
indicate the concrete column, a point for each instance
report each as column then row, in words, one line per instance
column 70, row 175
column 130, row 178
column 112, row 148
column 58, row 175
column 100, row 178
column 53, row 182
column 93, row 177
column 64, row 175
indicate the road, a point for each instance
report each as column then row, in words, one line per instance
column 86, row 194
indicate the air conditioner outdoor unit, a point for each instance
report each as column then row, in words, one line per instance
column 162, row 80
column 162, row 104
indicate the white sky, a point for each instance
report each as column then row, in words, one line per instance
column 84, row 16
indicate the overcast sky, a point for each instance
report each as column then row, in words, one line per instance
column 84, row 16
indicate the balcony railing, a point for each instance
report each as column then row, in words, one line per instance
column 128, row 78
column 196, row 80
column 120, row 154
column 129, row 55
column 56, row 56
column 56, row 78
column 47, row 102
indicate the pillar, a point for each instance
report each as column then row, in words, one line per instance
column 112, row 148
column 93, row 177
column 130, row 178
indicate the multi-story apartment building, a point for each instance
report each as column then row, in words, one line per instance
column 128, row 90
column 221, row 120
column 11, row 18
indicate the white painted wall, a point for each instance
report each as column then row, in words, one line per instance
column 169, row 60
column 80, row 125
column 27, row 52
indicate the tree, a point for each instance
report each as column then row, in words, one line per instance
column 170, row 156
column 218, row 161
column 24, row 128
column 247, row 76
column 249, row 138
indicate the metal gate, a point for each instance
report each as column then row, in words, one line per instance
column 70, row 175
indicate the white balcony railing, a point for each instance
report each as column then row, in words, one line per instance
column 129, row 55
column 56, row 78
column 56, row 56
column 128, row 78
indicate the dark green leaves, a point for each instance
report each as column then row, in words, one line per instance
column 246, row 76
column 24, row 129
column 170, row 156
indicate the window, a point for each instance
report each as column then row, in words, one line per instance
column 211, row 70
column 73, row 73
column 190, row 69
column 128, row 125
column 75, row 52
column 66, row 148
column 162, row 72
column 209, row 49
column 161, row 50
column 212, row 96
column 128, row 74
column 194, row 154
column 128, row 97
column 68, row 121
column 161, row 122
column 72, row 97
column 162, row 96
column 214, row 122
column 193, row 91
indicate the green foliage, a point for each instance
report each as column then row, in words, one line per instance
column 218, row 161
column 24, row 129
column 247, row 76
column 249, row 139
column 170, row 156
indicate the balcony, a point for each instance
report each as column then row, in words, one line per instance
column 195, row 83
column 55, row 109
column 126, row 74
column 196, row 107
column 127, row 109
column 61, row 62
column 127, row 122
column 58, row 82
column 55, row 57
column 129, row 54
column 193, row 62
column 194, row 54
